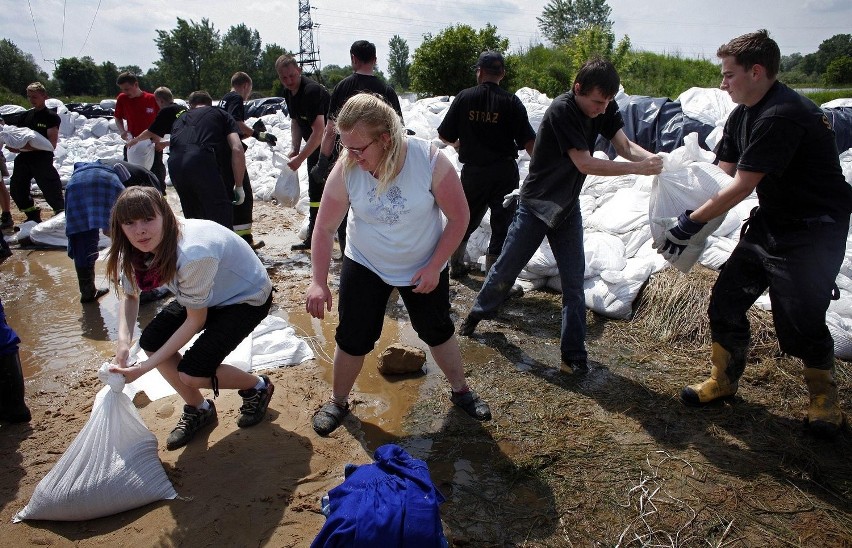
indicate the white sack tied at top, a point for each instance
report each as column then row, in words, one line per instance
column 687, row 181
column 142, row 154
column 110, row 467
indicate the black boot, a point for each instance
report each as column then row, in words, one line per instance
column 6, row 220
column 312, row 218
column 33, row 214
column 12, row 405
column 86, row 279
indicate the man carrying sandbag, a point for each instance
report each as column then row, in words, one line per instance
column 781, row 144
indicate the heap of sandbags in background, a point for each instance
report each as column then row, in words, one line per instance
column 618, row 242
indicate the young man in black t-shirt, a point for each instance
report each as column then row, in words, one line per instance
column 234, row 104
column 36, row 164
column 780, row 144
column 488, row 125
column 549, row 205
column 307, row 103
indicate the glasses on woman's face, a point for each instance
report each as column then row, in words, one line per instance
column 360, row 150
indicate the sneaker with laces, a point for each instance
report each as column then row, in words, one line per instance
column 472, row 404
column 255, row 403
column 191, row 422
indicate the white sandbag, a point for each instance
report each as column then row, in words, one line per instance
column 287, row 190
column 142, row 154
column 846, row 165
column 11, row 109
column 603, row 252
column 625, row 211
column 99, row 127
column 717, row 252
column 542, row 264
column 19, row 137
column 107, row 104
column 707, row 105
column 841, row 331
column 110, row 467
column 50, row 232
column 687, row 181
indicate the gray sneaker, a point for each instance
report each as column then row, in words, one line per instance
column 255, row 403
column 192, row 421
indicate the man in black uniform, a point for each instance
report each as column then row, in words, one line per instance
column 36, row 164
column 781, row 144
column 488, row 125
column 205, row 142
column 363, row 56
column 307, row 103
column 163, row 121
column 233, row 103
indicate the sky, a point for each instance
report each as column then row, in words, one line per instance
column 124, row 32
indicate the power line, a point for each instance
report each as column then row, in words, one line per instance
column 62, row 43
column 36, row 30
column 86, row 41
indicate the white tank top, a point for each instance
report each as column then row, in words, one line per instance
column 395, row 234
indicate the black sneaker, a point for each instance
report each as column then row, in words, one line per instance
column 6, row 220
column 472, row 404
column 192, row 421
column 255, row 403
column 302, row 246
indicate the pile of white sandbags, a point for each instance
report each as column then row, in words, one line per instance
column 616, row 210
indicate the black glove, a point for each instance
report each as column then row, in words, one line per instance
column 265, row 137
column 320, row 171
column 259, row 126
column 677, row 236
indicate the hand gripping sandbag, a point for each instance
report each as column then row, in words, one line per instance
column 111, row 466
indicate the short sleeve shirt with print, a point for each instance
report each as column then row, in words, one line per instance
column 788, row 139
column 490, row 124
column 233, row 104
column 553, row 185
column 137, row 112
column 165, row 119
column 311, row 101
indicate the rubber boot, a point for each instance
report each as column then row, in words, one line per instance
column 33, row 214
column 86, row 280
column 6, row 220
column 13, row 408
column 725, row 372
column 825, row 417
column 312, row 219
column 458, row 268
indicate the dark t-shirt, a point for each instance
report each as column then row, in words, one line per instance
column 165, row 119
column 356, row 83
column 139, row 176
column 232, row 102
column 490, row 124
column 204, row 128
column 553, row 185
column 311, row 101
column 790, row 140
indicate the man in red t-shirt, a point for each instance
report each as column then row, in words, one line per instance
column 135, row 110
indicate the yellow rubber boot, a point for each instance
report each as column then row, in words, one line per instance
column 724, row 374
column 824, row 415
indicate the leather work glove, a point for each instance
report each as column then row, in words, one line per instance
column 239, row 195
column 265, row 136
column 678, row 232
column 320, row 171
column 259, row 126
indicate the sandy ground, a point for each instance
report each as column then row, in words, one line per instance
column 609, row 458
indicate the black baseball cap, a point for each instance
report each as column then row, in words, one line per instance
column 491, row 61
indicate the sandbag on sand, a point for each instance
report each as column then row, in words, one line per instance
column 111, row 466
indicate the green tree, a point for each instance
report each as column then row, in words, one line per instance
column 838, row 45
column 443, row 63
column 333, row 74
column 188, row 55
column 594, row 40
column 398, row 63
column 562, row 19
column 108, row 73
column 548, row 70
column 240, row 51
column 18, row 69
column 266, row 76
column 78, row 76
column 839, row 71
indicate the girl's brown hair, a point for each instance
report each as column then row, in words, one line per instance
column 140, row 202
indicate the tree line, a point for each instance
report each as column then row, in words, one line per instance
column 196, row 55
